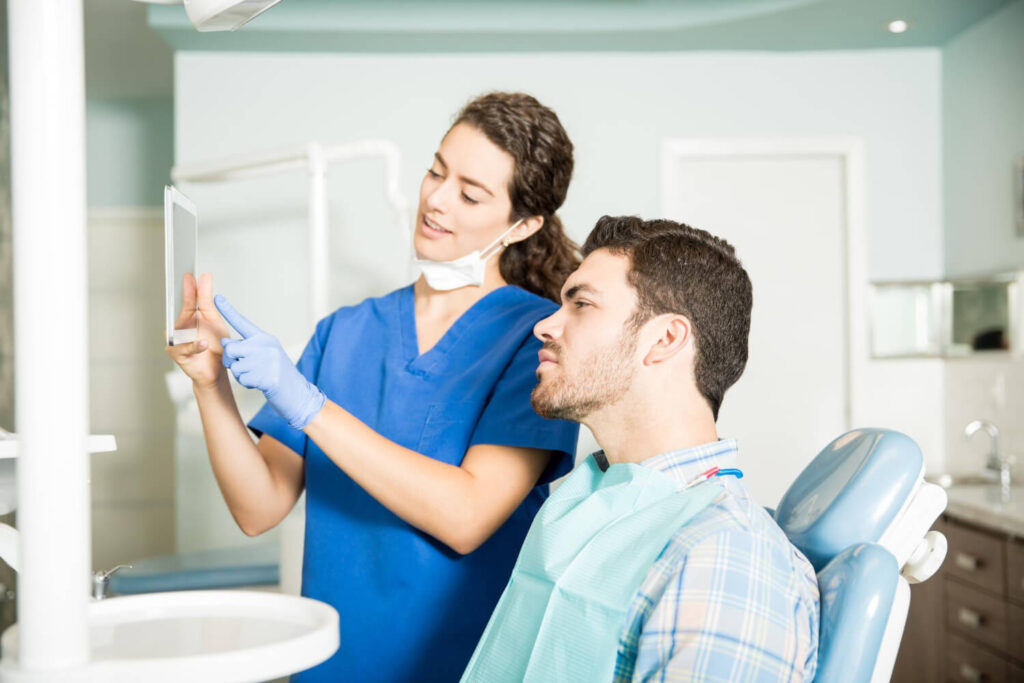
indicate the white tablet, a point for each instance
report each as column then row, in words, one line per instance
column 181, row 251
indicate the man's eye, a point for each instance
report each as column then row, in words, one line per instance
column 580, row 304
column 469, row 199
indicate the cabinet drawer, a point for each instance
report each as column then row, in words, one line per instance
column 968, row 663
column 976, row 557
column 975, row 614
column 1015, row 631
column 1015, row 570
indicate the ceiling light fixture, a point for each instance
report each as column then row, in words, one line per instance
column 898, row 26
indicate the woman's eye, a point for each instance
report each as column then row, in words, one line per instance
column 469, row 199
column 433, row 174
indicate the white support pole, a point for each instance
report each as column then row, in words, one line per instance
column 47, row 90
column 319, row 241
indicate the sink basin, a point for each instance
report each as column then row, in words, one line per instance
column 194, row 636
column 987, row 504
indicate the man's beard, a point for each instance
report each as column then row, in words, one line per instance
column 602, row 379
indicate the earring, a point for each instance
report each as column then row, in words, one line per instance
column 505, row 242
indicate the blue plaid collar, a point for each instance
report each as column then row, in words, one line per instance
column 686, row 464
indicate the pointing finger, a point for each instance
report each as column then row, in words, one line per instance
column 234, row 318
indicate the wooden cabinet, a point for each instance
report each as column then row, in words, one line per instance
column 977, row 558
column 966, row 623
column 1015, row 571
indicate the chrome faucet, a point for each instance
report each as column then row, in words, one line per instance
column 996, row 464
column 101, row 580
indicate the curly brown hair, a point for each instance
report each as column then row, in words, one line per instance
column 532, row 134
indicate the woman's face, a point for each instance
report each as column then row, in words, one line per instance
column 464, row 202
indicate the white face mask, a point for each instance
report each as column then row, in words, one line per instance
column 463, row 271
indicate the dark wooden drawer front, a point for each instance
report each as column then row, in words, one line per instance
column 1015, row 631
column 975, row 614
column 976, row 557
column 968, row 663
column 1015, row 570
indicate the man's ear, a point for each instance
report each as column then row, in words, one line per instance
column 674, row 334
column 526, row 229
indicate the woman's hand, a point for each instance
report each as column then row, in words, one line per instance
column 259, row 362
column 201, row 359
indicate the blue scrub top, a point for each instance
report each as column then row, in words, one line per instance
column 411, row 608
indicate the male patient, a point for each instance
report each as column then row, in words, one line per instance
column 647, row 563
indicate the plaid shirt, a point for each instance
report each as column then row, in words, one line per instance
column 728, row 599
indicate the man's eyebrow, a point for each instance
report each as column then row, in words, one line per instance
column 468, row 181
column 581, row 288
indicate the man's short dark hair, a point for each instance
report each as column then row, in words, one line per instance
column 675, row 268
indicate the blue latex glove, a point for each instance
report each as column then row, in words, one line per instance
column 258, row 362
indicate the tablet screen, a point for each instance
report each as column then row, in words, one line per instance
column 181, row 233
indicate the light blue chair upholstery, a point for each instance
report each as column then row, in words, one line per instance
column 860, row 512
column 858, row 590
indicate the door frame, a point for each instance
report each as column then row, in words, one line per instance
column 850, row 153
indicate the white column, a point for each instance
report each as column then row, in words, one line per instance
column 319, row 241
column 47, row 90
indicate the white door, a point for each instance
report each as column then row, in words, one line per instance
column 784, row 214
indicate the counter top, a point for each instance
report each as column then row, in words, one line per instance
column 984, row 505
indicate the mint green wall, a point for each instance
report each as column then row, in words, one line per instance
column 617, row 108
column 130, row 150
column 983, row 132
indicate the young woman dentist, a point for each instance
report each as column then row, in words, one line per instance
column 408, row 418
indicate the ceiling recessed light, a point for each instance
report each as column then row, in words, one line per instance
column 898, row 26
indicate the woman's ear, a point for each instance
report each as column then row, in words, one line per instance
column 674, row 335
column 526, row 229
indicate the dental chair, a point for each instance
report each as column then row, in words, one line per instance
column 861, row 513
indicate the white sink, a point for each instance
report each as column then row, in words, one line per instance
column 194, row 636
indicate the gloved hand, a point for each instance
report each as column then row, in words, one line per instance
column 259, row 362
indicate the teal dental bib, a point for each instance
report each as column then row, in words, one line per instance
column 582, row 562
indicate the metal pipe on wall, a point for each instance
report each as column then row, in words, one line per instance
column 47, row 88
column 318, row 233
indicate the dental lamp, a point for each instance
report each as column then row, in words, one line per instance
column 224, row 15
column 220, row 15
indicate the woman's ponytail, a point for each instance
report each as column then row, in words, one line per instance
column 541, row 263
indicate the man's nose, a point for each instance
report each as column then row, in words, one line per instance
column 549, row 328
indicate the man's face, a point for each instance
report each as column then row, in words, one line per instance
column 588, row 359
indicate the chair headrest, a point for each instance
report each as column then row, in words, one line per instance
column 850, row 493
